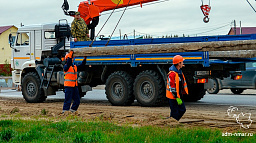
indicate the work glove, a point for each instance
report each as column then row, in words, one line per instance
column 179, row 101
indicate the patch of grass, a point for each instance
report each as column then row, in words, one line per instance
column 14, row 110
column 33, row 134
column 91, row 137
column 99, row 131
column 18, row 115
column 5, row 123
column 61, row 127
column 6, row 134
column 3, row 116
column 44, row 112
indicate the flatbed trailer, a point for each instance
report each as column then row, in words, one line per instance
column 148, row 71
column 130, row 69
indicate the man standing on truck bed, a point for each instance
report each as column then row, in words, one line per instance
column 71, row 84
column 176, row 88
column 79, row 29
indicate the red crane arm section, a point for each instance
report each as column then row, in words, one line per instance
column 89, row 11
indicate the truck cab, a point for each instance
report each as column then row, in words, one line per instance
column 32, row 43
column 33, row 48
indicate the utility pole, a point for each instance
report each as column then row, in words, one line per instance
column 134, row 33
column 240, row 27
column 120, row 34
column 235, row 26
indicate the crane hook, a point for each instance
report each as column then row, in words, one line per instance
column 206, row 11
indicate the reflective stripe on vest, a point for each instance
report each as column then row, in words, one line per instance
column 70, row 77
column 170, row 90
column 70, row 73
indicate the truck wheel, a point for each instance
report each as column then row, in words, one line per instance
column 149, row 89
column 236, row 90
column 119, row 88
column 30, row 88
column 215, row 88
column 195, row 91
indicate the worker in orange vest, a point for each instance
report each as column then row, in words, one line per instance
column 71, row 84
column 176, row 88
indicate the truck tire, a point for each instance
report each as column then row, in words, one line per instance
column 149, row 89
column 237, row 90
column 215, row 88
column 30, row 88
column 195, row 91
column 119, row 89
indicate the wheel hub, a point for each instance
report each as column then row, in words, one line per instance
column 31, row 89
column 213, row 88
column 146, row 90
column 117, row 90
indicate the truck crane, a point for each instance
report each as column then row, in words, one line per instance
column 130, row 69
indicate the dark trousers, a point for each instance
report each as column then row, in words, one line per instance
column 71, row 93
column 177, row 111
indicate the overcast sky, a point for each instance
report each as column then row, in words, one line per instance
column 165, row 18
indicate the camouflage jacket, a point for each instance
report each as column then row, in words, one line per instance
column 79, row 28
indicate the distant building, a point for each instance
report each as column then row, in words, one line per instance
column 242, row 30
column 5, row 50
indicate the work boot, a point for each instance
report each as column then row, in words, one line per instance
column 63, row 112
column 72, row 111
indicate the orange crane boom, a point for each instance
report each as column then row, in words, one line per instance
column 92, row 8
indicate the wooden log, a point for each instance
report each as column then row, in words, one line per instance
column 233, row 54
column 167, row 48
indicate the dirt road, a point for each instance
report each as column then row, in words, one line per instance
column 210, row 116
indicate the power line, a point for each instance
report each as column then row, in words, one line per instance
column 213, row 29
column 194, row 29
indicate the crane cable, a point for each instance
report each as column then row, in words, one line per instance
column 251, row 5
column 105, row 23
column 203, row 2
column 118, row 23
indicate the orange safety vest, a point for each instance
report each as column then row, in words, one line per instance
column 169, row 89
column 70, row 77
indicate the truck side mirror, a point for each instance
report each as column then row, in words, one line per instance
column 10, row 40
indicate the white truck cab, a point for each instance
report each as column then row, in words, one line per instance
column 30, row 44
column 36, row 59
